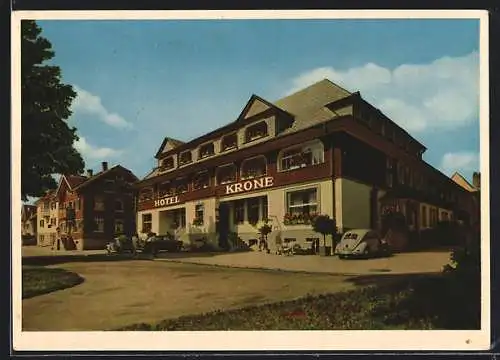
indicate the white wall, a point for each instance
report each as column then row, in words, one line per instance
column 354, row 201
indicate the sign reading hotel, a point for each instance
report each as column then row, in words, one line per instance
column 167, row 201
column 250, row 185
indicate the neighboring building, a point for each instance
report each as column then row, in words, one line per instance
column 47, row 209
column 28, row 221
column 322, row 150
column 472, row 203
column 93, row 209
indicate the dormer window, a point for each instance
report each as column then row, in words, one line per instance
column 201, row 180
column 167, row 164
column 229, row 142
column 185, row 158
column 254, row 167
column 226, row 174
column 207, row 150
column 165, row 189
column 256, row 131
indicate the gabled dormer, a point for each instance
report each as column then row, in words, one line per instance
column 167, row 146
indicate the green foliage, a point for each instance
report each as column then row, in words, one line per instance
column 39, row 280
column 324, row 225
column 47, row 140
column 415, row 303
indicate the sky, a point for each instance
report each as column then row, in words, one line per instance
column 138, row 81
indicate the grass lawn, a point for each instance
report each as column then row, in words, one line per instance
column 431, row 302
column 38, row 280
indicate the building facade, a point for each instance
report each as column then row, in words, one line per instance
column 93, row 209
column 47, row 210
column 28, row 221
column 322, row 150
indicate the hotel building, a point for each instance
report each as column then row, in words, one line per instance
column 321, row 150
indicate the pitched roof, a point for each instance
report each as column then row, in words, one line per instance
column 99, row 175
column 168, row 140
column 462, row 181
column 48, row 195
column 75, row 180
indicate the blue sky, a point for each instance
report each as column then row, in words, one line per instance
column 139, row 81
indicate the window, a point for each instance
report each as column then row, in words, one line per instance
column 165, row 189
column 229, row 142
column 53, row 221
column 146, row 194
column 253, row 210
column 239, row 211
column 254, row 167
column 99, row 224
column 146, row 223
column 99, row 203
column 201, row 180
column 41, row 223
column 185, row 157
column 119, row 205
column 119, row 226
column 264, row 208
column 78, row 204
column 256, row 131
column 167, row 163
column 301, row 156
column 206, row 150
column 226, row 174
column 389, row 172
column 301, row 206
column 181, row 186
column 198, row 215
column 433, row 217
column 444, row 216
column 52, row 205
column 424, row 216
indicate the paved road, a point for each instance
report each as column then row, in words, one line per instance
column 119, row 293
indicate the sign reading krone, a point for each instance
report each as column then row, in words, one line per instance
column 249, row 185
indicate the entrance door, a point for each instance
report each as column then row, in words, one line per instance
column 222, row 225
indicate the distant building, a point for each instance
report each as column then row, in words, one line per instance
column 93, row 209
column 321, row 150
column 47, row 210
column 472, row 203
column 28, row 221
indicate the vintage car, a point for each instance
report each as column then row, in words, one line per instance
column 362, row 243
column 156, row 244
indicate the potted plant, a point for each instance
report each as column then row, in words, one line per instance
column 324, row 225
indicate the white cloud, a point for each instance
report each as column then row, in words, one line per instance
column 439, row 95
column 88, row 103
column 93, row 152
column 460, row 161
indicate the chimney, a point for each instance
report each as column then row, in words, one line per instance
column 104, row 165
column 476, row 180
column 89, row 172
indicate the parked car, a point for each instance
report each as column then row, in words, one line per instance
column 362, row 243
column 161, row 243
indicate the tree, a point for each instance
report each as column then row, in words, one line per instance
column 47, row 140
column 324, row 225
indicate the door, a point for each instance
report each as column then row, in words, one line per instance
column 222, row 225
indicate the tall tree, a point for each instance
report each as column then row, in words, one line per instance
column 46, row 139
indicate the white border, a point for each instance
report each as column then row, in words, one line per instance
column 251, row 340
